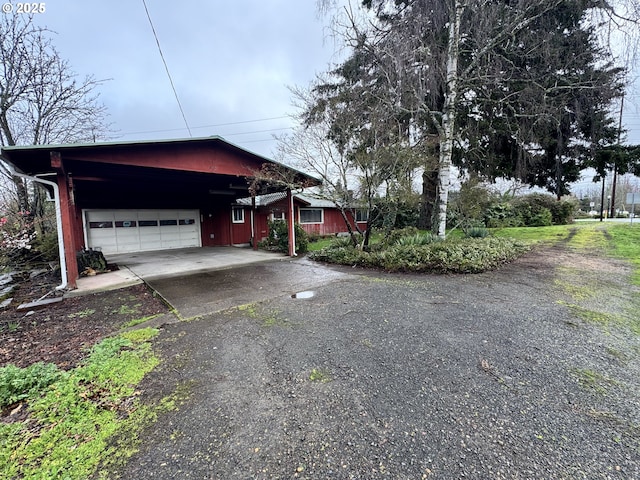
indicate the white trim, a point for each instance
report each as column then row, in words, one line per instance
column 282, row 217
column 301, row 209
column 365, row 211
column 233, row 214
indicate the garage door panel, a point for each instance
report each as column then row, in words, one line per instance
column 124, row 231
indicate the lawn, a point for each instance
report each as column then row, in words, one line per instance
column 613, row 239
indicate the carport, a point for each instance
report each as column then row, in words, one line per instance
column 128, row 197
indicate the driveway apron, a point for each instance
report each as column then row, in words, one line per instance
column 199, row 294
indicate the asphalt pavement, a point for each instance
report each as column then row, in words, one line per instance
column 367, row 375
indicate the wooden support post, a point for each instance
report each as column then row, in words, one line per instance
column 67, row 212
column 291, row 224
column 254, row 240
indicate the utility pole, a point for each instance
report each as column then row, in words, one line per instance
column 615, row 165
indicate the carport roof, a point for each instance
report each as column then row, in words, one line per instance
column 36, row 159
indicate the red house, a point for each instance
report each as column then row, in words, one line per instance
column 149, row 195
column 315, row 216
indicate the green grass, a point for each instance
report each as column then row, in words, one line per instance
column 323, row 242
column 547, row 235
column 620, row 240
column 88, row 416
column 626, row 244
column 319, row 244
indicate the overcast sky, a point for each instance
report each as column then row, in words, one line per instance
column 231, row 61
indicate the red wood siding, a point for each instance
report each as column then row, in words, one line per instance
column 182, row 157
column 241, row 232
column 216, row 228
column 333, row 222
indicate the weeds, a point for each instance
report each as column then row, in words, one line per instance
column 74, row 416
column 128, row 310
column 87, row 312
column 319, row 375
column 593, row 381
column 138, row 321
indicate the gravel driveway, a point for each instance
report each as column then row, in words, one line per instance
column 523, row 373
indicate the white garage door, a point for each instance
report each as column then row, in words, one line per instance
column 125, row 231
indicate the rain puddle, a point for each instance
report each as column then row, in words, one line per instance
column 306, row 294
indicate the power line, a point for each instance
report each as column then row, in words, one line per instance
column 209, row 126
column 166, row 68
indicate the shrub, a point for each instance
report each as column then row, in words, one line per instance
column 47, row 245
column 532, row 209
column 395, row 235
column 477, row 232
column 278, row 238
column 502, row 215
column 542, row 218
column 470, row 255
column 418, row 239
column 339, row 242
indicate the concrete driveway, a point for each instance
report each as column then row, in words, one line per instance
column 147, row 266
column 196, row 294
column 182, row 261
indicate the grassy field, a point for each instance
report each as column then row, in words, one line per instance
column 619, row 240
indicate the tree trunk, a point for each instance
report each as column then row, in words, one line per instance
column 448, row 119
column 22, row 194
column 428, row 199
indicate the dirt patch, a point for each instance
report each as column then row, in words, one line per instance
column 64, row 332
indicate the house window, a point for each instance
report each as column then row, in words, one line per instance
column 237, row 214
column 311, row 215
column 278, row 216
column 362, row 215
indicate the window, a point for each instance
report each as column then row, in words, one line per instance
column 311, row 215
column 148, row 223
column 237, row 214
column 168, row 222
column 362, row 215
column 100, row 224
column 278, row 215
column 126, row 224
column 187, row 221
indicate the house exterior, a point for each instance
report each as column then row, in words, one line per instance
column 316, row 216
column 150, row 195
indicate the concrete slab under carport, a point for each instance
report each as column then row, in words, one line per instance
column 138, row 267
column 180, row 261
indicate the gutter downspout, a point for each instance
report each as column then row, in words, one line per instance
column 293, row 227
column 56, row 198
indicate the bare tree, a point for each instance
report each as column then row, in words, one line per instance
column 41, row 99
column 358, row 150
